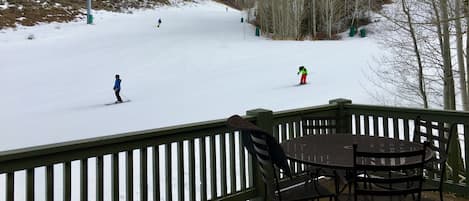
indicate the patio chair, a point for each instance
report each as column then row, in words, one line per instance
column 270, row 155
column 367, row 186
column 437, row 166
column 319, row 125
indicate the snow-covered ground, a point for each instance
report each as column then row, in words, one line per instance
column 201, row 64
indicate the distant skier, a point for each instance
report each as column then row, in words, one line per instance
column 159, row 22
column 117, row 89
column 302, row 70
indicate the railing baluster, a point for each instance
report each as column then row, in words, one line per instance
column 203, row 170
column 439, row 132
column 143, row 175
column 84, row 179
column 156, row 173
column 10, row 186
column 129, row 175
column 223, row 164
column 406, row 130
column 291, row 130
column 323, row 123
column 301, row 123
column 252, row 173
column 67, row 181
column 276, row 132
column 213, row 173
column 50, row 183
column 366, row 118
column 375, row 126
column 357, row 124
column 466, row 152
column 297, row 129
column 284, row 132
column 180, row 168
column 232, row 162
column 191, row 170
column 242, row 162
column 386, row 126
column 291, row 135
column 395, row 126
column 168, row 157
column 99, row 178
column 115, row 177
column 30, row 184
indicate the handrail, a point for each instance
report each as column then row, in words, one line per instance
column 44, row 152
column 408, row 110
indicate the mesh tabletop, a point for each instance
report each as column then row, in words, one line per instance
column 336, row 150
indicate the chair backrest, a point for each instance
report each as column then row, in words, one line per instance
column 439, row 137
column 319, row 124
column 400, row 173
column 264, row 147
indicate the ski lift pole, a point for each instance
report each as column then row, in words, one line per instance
column 89, row 17
column 244, row 30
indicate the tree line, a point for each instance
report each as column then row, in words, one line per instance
column 308, row 19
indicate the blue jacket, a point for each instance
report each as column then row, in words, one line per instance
column 117, row 84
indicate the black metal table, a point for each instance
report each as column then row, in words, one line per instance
column 335, row 151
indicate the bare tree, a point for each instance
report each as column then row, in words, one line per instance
column 406, row 69
column 466, row 9
column 460, row 55
column 429, row 57
column 442, row 25
column 421, row 78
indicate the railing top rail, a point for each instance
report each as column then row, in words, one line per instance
column 137, row 135
column 305, row 110
column 407, row 110
column 70, row 146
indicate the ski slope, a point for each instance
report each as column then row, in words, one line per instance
column 201, row 64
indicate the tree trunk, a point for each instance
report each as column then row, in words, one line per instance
column 314, row 19
column 443, row 32
column 355, row 14
column 421, row 78
column 466, row 9
column 328, row 20
column 460, row 55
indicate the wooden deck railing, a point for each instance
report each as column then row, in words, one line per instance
column 208, row 151
column 200, row 161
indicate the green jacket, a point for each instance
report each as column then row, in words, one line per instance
column 303, row 71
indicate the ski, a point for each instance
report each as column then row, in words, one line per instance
column 115, row 103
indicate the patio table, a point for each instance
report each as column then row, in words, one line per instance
column 335, row 151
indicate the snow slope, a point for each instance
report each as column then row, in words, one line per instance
column 201, row 64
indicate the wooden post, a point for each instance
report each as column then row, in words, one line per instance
column 345, row 118
column 264, row 120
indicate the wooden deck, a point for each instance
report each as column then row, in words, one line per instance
column 426, row 196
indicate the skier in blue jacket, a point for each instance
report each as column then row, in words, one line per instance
column 117, row 88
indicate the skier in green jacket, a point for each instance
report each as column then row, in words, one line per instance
column 302, row 70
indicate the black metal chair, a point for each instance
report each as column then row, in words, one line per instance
column 269, row 154
column 408, row 164
column 437, row 166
